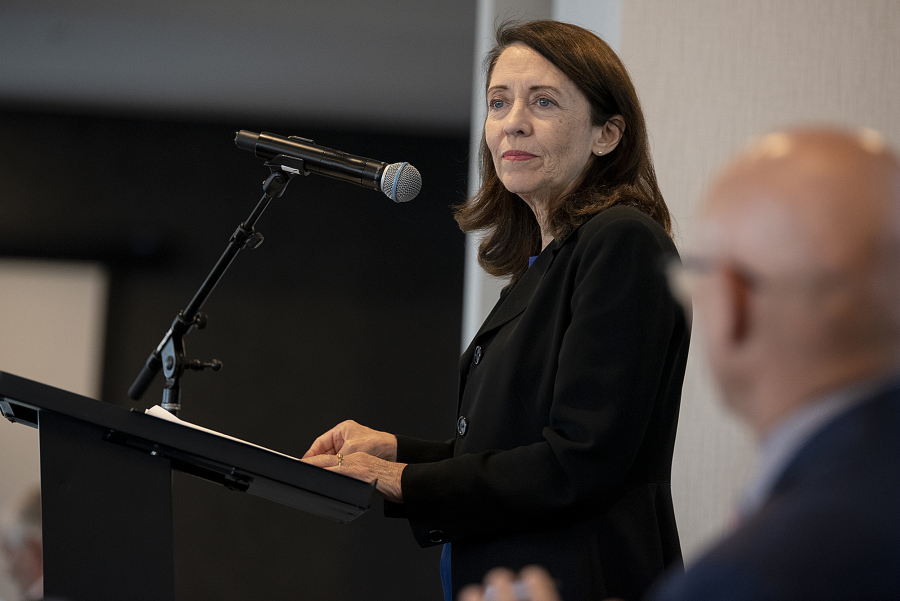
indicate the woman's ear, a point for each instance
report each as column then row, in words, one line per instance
column 608, row 135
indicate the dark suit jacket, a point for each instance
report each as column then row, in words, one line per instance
column 831, row 528
column 570, row 394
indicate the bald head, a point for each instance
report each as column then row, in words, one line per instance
column 810, row 201
column 807, row 226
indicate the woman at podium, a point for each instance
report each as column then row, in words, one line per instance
column 569, row 392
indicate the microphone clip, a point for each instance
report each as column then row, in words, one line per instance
column 291, row 165
column 282, row 169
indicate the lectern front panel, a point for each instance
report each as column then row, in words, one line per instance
column 107, row 516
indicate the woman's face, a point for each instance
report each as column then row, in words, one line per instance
column 538, row 126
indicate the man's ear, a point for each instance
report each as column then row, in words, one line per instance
column 738, row 292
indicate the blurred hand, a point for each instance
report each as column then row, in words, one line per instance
column 533, row 584
column 350, row 437
column 365, row 467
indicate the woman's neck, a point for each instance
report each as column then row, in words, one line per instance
column 539, row 208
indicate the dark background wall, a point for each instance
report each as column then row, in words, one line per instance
column 351, row 308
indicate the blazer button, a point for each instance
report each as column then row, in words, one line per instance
column 462, row 425
column 478, row 354
column 436, row 536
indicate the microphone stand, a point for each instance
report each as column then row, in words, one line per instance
column 169, row 354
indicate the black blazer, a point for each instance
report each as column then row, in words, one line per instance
column 568, row 403
column 830, row 530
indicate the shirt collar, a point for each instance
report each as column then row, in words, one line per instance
column 785, row 441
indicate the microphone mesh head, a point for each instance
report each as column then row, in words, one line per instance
column 401, row 182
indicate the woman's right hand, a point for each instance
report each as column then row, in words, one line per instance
column 350, row 437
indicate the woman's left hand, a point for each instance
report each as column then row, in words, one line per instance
column 367, row 468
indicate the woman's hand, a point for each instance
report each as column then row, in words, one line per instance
column 350, row 437
column 365, row 467
column 362, row 453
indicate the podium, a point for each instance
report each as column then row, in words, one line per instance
column 106, row 489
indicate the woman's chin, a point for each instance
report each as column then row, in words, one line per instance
column 521, row 186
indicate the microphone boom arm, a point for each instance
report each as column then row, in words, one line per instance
column 169, row 354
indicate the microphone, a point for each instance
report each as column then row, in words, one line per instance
column 399, row 181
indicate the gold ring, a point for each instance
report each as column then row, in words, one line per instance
column 340, row 460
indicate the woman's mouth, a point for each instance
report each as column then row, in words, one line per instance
column 517, row 155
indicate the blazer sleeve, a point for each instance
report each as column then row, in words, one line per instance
column 416, row 450
column 612, row 362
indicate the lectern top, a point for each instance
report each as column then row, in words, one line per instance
column 232, row 463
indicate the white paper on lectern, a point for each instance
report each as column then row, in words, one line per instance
column 157, row 411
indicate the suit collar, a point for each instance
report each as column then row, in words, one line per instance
column 513, row 301
column 515, row 298
column 789, row 446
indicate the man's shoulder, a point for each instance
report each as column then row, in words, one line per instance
column 710, row 579
column 854, row 451
column 775, row 557
column 831, row 531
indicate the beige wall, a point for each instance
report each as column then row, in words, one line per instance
column 711, row 74
column 52, row 324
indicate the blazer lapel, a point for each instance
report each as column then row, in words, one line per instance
column 517, row 299
column 513, row 302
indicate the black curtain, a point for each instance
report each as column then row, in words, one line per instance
column 350, row 309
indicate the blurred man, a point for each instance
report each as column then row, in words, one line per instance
column 797, row 284
column 796, row 287
column 23, row 550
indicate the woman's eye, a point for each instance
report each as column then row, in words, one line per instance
column 496, row 104
column 544, row 102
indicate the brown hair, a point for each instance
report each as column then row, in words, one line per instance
column 624, row 176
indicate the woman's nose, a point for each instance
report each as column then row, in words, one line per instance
column 517, row 122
